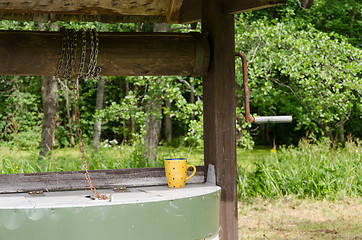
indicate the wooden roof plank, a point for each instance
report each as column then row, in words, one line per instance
column 191, row 10
column 238, row 6
column 172, row 11
column 87, row 7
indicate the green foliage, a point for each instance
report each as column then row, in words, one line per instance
column 20, row 112
column 332, row 16
column 294, row 68
column 313, row 170
column 314, row 76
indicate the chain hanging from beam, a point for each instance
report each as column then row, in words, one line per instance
column 67, row 61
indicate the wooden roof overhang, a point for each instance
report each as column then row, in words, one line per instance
column 171, row 11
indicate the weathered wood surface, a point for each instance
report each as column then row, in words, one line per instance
column 219, row 111
column 172, row 11
column 88, row 7
column 75, row 180
column 95, row 10
column 120, row 54
column 237, row 6
column 46, row 17
column 191, row 10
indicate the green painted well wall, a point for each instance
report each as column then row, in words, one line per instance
column 176, row 218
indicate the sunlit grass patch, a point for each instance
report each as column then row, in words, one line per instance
column 292, row 218
column 316, row 170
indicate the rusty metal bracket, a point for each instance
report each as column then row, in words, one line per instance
column 248, row 117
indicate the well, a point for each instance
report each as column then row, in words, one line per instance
column 133, row 213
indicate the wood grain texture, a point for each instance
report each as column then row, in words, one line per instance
column 220, row 111
column 191, row 11
column 172, row 11
column 238, row 6
column 45, row 17
column 75, row 180
column 91, row 10
column 120, row 54
column 87, row 7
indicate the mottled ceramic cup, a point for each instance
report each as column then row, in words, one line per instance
column 176, row 172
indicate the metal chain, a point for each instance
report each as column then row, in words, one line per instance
column 95, row 61
column 69, row 49
column 91, row 56
column 83, row 55
column 62, row 55
column 81, row 144
column 67, row 73
column 73, row 50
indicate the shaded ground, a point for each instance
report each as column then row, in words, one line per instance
column 291, row 218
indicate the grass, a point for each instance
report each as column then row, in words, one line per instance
column 291, row 218
column 69, row 159
column 311, row 170
column 285, row 194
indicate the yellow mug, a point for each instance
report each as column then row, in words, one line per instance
column 176, row 172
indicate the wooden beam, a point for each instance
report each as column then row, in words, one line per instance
column 87, row 7
column 238, row 6
column 120, row 54
column 75, row 180
column 191, row 9
column 220, row 111
column 91, row 10
column 172, row 11
column 45, row 17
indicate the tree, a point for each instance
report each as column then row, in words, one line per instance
column 339, row 16
column 154, row 110
column 312, row 75
column 99, row 107
column 50, row 105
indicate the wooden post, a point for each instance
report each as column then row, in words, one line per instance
column 219, row 111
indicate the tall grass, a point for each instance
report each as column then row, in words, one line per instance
column 313, row 170
column 69, row 159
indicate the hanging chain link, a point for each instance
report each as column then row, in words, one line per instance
column 83, row 55
column 68, row 53
column 81, row 144
column 62, row 55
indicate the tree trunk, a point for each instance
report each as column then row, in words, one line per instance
column 99, row 106
column 154, row 114
column 50, row 105
column 65, row 88
column 153, row 128
column 168, row 122
column 192, row 98
column 342, row 138
column 327, row 131
column 126, row 124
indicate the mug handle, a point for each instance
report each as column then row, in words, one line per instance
column 187, row 178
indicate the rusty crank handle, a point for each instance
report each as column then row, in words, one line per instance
column 248, row 117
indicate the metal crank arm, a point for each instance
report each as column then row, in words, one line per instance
column 248, row 117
